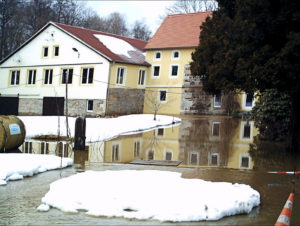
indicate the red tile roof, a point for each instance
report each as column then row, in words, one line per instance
column 178, row 31
column 87, row 37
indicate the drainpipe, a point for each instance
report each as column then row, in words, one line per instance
column 107, row 90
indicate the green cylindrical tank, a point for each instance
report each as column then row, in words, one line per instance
column 12, row 132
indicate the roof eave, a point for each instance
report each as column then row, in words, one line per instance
column 173, row 47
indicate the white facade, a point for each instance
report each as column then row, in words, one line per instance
column 72, row 54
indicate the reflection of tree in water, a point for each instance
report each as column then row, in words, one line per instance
column 272, row 155
column 206, row 141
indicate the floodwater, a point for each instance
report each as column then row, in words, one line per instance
column 212, row 148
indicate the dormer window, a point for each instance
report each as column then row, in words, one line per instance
column 157, row 55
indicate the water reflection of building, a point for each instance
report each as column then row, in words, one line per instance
column 211, row 141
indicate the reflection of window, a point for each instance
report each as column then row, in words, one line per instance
column 215, row 129
column 67, row 76
column 249, row 100
column 214, row 159
column 245, row 161
column 217, row 101
column 15, row 77
column 48, row 73
column 120, row 76
column 156, row 70
column 63, row 149
column 142, row 74
column 87, row 75
column 247, row 130
column 162, row 95
column 168, row 155
column 193, row 160
column 27, row 147
column 90, row 105
column 116, row 152
column 160, row 131
column 44, row 148
column 174, row 70
column 137, row 148
column 31, row 77
column 150, row 155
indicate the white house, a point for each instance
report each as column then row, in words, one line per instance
column 86, row 65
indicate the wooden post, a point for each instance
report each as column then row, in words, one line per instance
column 80, row 125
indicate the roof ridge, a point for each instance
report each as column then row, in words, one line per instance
column 189, row 14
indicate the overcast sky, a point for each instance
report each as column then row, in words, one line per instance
column 149, row 11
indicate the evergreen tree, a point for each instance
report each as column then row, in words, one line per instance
column 252, row 45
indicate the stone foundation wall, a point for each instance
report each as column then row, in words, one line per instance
column 29, row 106
column 125, row 101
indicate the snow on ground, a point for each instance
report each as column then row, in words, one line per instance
column 149, row 194
column 97, row 129
column 17, row 166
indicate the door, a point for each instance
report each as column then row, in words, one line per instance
column 53, row 105
column 9, row 105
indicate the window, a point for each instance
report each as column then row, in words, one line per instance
column 142, row 74
column 67, row 75
column 214, row 159
column 90, row 105
column 168, row 155
column 247, row 130
column 162, row 95
column 217, row 101
column 63, row 150
column 150, row 155
column 115, row 152
column 87, row 75
column 120, row 76
column 193, row 160
column 44, row 148
column 157, row 55
column 137, row 148
column 156, row 70
column 15, row 77
column 215, row 129
column 27, row 147
column 56, row 51
column 31, row 77
column 160, row 132
column 175, row 55
column 48, row 73
column 249, row 100
column 45, row 51
column 174, row 70
column 244, row 161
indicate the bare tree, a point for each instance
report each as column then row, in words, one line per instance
column 192, row 6
column 115, row 23
column 141, row 31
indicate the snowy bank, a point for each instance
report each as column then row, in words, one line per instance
column 97, row 129
column 17, row 166
column 149, row 194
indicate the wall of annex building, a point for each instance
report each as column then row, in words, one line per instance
column 72, row 55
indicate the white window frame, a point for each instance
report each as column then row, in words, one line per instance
column 49, row 75
column 165, row 155
column 171, row 70
column 142, row 81
column 17, row 76
column 173, row 53
column 245, row 102
column 159, row 95
column 155, row 58
column 212, row 129
column 87, row 105
column 216, row 103
column 113, row 146
column 87, row 75
column 67, row 77
column 249, row 161
column 43, row 51
column 31, row 78
column 118, row 83
column 156, row 76
column 242, row 132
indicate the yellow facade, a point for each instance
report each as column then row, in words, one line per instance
column 165, row 80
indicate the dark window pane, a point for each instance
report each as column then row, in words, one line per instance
column 163, row 95
column 245, row 162
column 91, row 75
column 247, row 129
column 156, row 71
column 174, row 70
column 45, row 51
column 56, row 51
column 84, row 75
